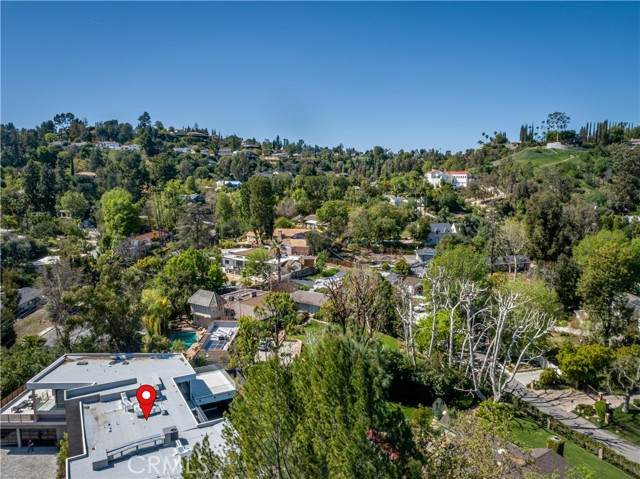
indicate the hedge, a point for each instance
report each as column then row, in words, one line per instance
column 587, row 443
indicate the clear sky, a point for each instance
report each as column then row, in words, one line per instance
column 399, row 75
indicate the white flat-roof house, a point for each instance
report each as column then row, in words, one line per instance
column 457, row 179
column 92, row 397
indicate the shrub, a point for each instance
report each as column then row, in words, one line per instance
column 550, row 377
column 601, row 409
column 585, row 410
column 61, row 458
column 556, row 444
column 438, row 408
column 636, row 402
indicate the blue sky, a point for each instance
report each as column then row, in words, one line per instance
column 399, row 75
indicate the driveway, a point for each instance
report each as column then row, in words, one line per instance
column 17, row 463
column 556, row 407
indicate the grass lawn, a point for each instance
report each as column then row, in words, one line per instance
column 406, row 410
column 540, row 157
column 528, row 433
column 32, row 324
column 389, row 342
column 314, row 327
column 624, row 425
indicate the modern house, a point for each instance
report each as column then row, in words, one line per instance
column 92, row 397
column 311, row 222
column 437, row 231
column 457, row 179
column 396, row 201
column 243, row 303
column 186, row 150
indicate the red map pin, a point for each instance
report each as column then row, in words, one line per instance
column 146, row 397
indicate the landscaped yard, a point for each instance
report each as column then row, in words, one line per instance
column 528, row 433
column 624, row 425
column 406, row 410
column 542, row 157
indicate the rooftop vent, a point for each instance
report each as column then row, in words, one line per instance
column 82, row 363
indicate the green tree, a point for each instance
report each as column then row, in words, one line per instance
column 624, row 373
column 585, row 364
column 402, row 267
column 75, row 203
column 22, row 362
column 257, row 267
column 119, row 214
column 610, row 265
column 258, row 206
column 335, row 214
column 184, row 274
column 625, row 181
column 10, row 301
column 545, row 226
column 324, row 416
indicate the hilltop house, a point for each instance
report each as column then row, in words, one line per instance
column 457, row 179
column 438, row 231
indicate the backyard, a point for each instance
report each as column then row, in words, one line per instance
column 528, row 433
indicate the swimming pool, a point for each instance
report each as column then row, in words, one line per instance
column 189, row 337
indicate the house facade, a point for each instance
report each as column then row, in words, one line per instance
column 437, row 231
column 457, row 179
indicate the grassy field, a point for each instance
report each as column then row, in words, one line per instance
column 542, row 157
column 33, row 324
column 406, row 410
column 624, row 425
column 528, row 433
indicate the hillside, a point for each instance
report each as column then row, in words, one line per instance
column 542, row 157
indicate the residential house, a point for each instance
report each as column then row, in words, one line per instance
column 509, row 263
column 294, row 240
column 42, row 263
column 234, row 260
column 207, row 307
column 425, row 254
column 311, row 222
column 243, row 303
column 130, row 147
column 29, row 299
column 309, row 301
column 108, row 145
column 184, row 150
column 92, row 398
column 457, row 179
column 87, row 174
column 224, row 152
column 229, row 184
column 396, row 201
column 437, row 231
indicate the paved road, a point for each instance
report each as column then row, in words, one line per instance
column 615, row 443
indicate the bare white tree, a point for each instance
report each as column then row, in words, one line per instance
column 512, row 332
column 435, row 279
column 515, row 240
column 404, row 308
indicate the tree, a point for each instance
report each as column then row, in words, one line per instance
column 258, row 267
column 279, row 308
column 186, row 273
column 144, row 120
column 119, row 215
column 22, row 362
column 584, row 364
column 624, row 372
column 75, row 203
column 9, row 305
column 402, row 267
column 625, row 181
column 244, row 347
column 323, row 416
column 516, row 240
column 558, row 121
column 335, row 214
column 258, row 206
column 610, row 266
column 545, row 227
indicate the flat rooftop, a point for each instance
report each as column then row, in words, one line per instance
column 116, row 442
column 75, row 370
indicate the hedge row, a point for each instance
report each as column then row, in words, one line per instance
column 591, row 445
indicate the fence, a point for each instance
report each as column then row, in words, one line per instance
column 6, row 400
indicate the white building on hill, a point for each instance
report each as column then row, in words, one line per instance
column 457, row 179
